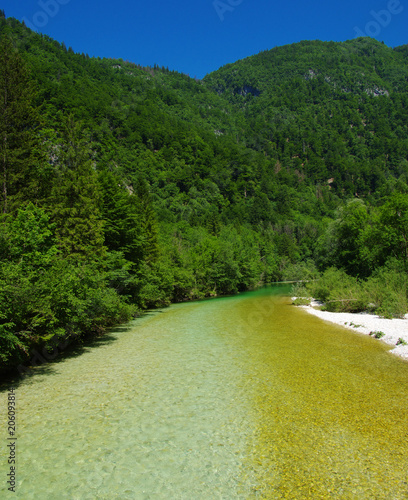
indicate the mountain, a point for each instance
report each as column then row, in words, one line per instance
column 323, row 111
column 329, row 110
column 128, row 187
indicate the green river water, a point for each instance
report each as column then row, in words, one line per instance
column 239, row 397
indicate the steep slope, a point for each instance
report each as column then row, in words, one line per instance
column 334, row 112
column 176, row 131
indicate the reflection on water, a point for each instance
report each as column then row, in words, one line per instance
column 241, row 397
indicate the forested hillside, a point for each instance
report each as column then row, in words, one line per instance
column 125, row 188
column 328, row 110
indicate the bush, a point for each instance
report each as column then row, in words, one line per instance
column 387, row 289
column 300, row 271
column 300, row 291
column 301, row 301
column 339, row 291
column 64, row 300
column 385, row 293
column 377, row 334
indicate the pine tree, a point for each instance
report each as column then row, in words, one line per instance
column 122, row 225
column 21, row 158
column 148, row 220
column 75, row 198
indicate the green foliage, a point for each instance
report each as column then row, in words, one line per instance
column 339, row 291
column 20, row 151
column 301, row 301
column 299, row 289
column 387, row 290
column 329, row 111
column 63, row 300
column 377, row 334
column 141, row 186
column 120, row 212
column 300, row 271
column 28, row 238
column 147, row 220
column 75, row 197
column 156, row 282
column 384, row 293
column 394, row 222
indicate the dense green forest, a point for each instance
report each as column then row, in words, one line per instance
column 126, row 187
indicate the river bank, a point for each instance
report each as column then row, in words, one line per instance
column 394, row 330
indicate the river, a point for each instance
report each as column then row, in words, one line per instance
column 232, row 398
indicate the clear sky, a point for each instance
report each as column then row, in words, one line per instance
column 198, row 36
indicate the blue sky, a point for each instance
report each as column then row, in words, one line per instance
column 198, row 36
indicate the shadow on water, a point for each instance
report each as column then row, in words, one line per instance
column 74, row 349
column 14, row 378
column 49, row 367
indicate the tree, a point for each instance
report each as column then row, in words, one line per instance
column 75, row 198
column 20, row 151
column 148, row 219
column 344, row 242
column 121, row 216
column 28, row 239
column 394, row 222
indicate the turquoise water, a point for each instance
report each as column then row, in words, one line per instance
column 239, row 397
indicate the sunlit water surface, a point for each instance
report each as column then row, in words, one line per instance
column 241, row 397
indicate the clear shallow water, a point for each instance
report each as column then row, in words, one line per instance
column 240, row 397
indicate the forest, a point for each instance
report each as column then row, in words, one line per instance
column 125, row 188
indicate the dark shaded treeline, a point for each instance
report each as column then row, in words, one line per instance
column 125, row 188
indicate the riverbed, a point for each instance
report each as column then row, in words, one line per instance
column 238, row 397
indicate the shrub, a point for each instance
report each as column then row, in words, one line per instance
column 300, row 271
column 377, row 334
column 387, row 289
column 339, row 291
column 384, row 293
column 301, row 301
column 300, row 290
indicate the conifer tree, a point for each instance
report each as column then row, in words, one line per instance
column 75, row 198
column 20, row 150
column 122, row 224
column 148, row 220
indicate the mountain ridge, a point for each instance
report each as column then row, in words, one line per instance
column 145, row 186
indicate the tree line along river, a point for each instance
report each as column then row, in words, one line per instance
column 240, row 397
